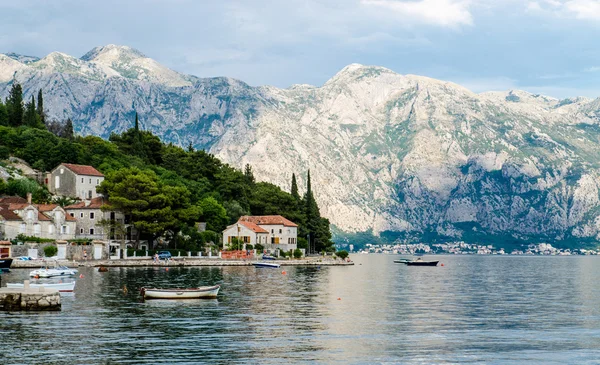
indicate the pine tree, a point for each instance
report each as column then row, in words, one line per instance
column 40, row 107
column 3, row 114
column 68, row 130
column 294, row 191
column 14, row 104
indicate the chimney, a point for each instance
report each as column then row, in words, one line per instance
column 28, row 198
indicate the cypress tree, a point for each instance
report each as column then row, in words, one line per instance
column 68, row 130
column 31, row 118
column 40, row 107
column 249, row 174
column 190, row 147
column 294, row 191
column 3, row 114
column 14, row 104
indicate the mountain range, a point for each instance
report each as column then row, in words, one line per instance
column 402, row 156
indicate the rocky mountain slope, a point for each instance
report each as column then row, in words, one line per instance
column 405, row 155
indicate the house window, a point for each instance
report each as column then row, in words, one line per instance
column 22, row 228
column 81, row 230
column 82, row 180
column 72, row 215
column 81, row 215
column 91, row 231
column 90, row 194
column 62, row 171
column 51, row 229
column 29, row 214
column 90, row 181
column 97, row 181
column 91, row 215
column 37, row 229
column 272, row 230
column 279, row 230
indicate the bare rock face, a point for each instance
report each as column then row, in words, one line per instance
column 387, row 152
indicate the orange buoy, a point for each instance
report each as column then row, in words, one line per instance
column 442, row 264
column 36, row 276
column 166, row 269
column 283, row 272
column 339, row 298
column 81, row 276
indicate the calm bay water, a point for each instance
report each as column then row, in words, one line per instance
column 473, row 310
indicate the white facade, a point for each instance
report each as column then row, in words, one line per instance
column 272, row 232
column 43, row 221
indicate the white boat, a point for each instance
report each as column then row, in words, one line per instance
column 204, row 292
column 61, row 287
column 46, row 272
column 266, row 264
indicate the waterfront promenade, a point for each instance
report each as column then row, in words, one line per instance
column 180, row 261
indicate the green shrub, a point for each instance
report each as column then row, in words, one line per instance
column 342, row 254
column 282, row 254
column 249, row 247
column 23, row 238
column 50, row 251
column 297, row 253
column 259, row 248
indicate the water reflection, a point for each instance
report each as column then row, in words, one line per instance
column 471, row 310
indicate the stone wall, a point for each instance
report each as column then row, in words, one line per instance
column 73, row 252
column 29, row 300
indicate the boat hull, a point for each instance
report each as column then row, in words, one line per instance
column 266, row 264
column 51, row 273
column 61, row 287
column 422, row 263
column 205, row 292
column 5, row 264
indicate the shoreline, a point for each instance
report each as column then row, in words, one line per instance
column 177, row 262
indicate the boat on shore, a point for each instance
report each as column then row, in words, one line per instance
column 61, row 287
column 5, row 264
column 204, row 292
column 268, row 257
column 266, row 264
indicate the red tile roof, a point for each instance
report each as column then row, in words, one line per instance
column 253, row 227
column 12, row 200
column 69, row 218
column 8, row 214
column 43, row 217
column 95, row 203
column 18, row 206
column 268, row 220
column 45, row 207
column 83, row 169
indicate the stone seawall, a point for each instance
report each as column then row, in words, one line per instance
column 37, row 299
column 208, row 262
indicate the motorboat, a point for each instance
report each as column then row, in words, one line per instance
column 5, row 264
column 402, row 261
column 61, row 287
column 266, row 264
column 268, row 257
column 204, row 292
column 47, row 272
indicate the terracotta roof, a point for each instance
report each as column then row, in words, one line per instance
column 83, row 169
column 253, row 227
column 18, row 206
column 8, row 214
column 69, row 218
column 45, row 207
column 268, row 220
column 12, row 200
column 43, row 217
column 95, row 203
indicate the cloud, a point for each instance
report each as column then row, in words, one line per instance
column 584, row 9
column 578, row 9
column 445, row 13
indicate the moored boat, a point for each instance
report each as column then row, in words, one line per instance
column 204, row 292
column 266, row 264
column 61, row 287
column 402, row 261
column 268, row 257
column 46, row 272
column 5, row 264
column 421, row 263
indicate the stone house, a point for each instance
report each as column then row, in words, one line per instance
column 271, row 231
column 38, row 220
column 76, row 181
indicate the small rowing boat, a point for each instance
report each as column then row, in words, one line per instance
column 61, row 287
column 204, row 292
column 421, row 263
column 266, row 264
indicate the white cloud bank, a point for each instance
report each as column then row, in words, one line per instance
column 579, row 9
column 445, row 13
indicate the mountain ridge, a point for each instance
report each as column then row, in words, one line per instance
column 409, row 155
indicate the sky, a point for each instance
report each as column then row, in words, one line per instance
column 549, row 47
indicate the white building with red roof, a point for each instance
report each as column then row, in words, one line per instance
column 271, row 231
column 75, row 181
column 36, row 220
